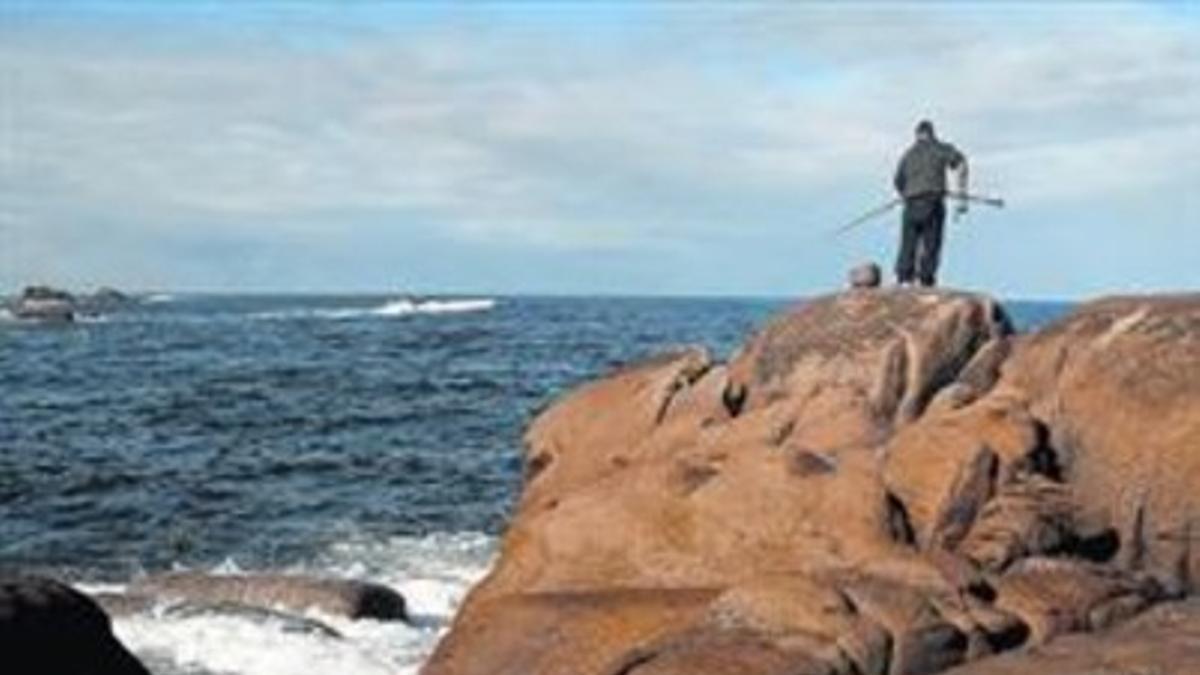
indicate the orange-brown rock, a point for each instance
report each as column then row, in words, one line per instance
column 1166, row 640
column 880, row 481
column 600, row 427
column 1053, row 596
column 882, row 357
column 1118, row 385
column 564, row 632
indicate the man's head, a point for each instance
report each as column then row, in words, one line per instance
column 925, row 130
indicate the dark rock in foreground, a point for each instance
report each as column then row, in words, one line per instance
column 48, row 627
column 878, row 482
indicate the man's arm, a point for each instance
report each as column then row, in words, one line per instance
column 898, row 179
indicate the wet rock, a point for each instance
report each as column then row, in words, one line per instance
column 338, row 597
column 288, row 623
column 120, row 605
column 48, row 627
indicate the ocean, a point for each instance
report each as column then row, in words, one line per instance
column 360, row 436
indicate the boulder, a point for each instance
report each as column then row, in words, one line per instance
column 867, row 275
column 338, row 597
column 48, row 627
column 877, row 482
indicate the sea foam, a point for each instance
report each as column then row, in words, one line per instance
column 432, row 572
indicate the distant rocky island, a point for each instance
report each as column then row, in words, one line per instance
column 879, row 481
column 46, row 303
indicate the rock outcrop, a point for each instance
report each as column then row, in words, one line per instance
column 337, row 597
column 887, row 481
column 42, row 303
column 48, row 627
column 1117, row 385
column 105, row 300
column 53, row 305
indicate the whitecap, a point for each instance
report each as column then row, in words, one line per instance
column 406, row 306
column 392, row 308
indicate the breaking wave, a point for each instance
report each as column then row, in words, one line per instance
column 392, row 308
column 405, row 306
column 432, row 572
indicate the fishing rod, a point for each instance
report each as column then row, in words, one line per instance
column 888, row 206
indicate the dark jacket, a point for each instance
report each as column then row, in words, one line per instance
column 922, row 169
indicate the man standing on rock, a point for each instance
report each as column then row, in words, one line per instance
column 921, row 181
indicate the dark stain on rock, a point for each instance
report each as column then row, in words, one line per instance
column 809, row 463
column 692, row 476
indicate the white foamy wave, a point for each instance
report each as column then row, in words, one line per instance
column 6, row 315
column 405, row 306
column 158, row 298
column 433, row 573
column 392, row 308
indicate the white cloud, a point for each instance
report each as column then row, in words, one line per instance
column 551, row 136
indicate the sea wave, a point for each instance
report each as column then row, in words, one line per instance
column 406, row 306
column 392, row 308
column 433, row 573
column 158, row 298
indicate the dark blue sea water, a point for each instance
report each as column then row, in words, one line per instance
column 269, row 430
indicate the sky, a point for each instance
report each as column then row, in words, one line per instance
column 563, row 147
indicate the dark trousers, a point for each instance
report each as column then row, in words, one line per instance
column 921, row 240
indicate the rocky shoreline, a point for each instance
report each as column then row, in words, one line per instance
column 880, row 481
